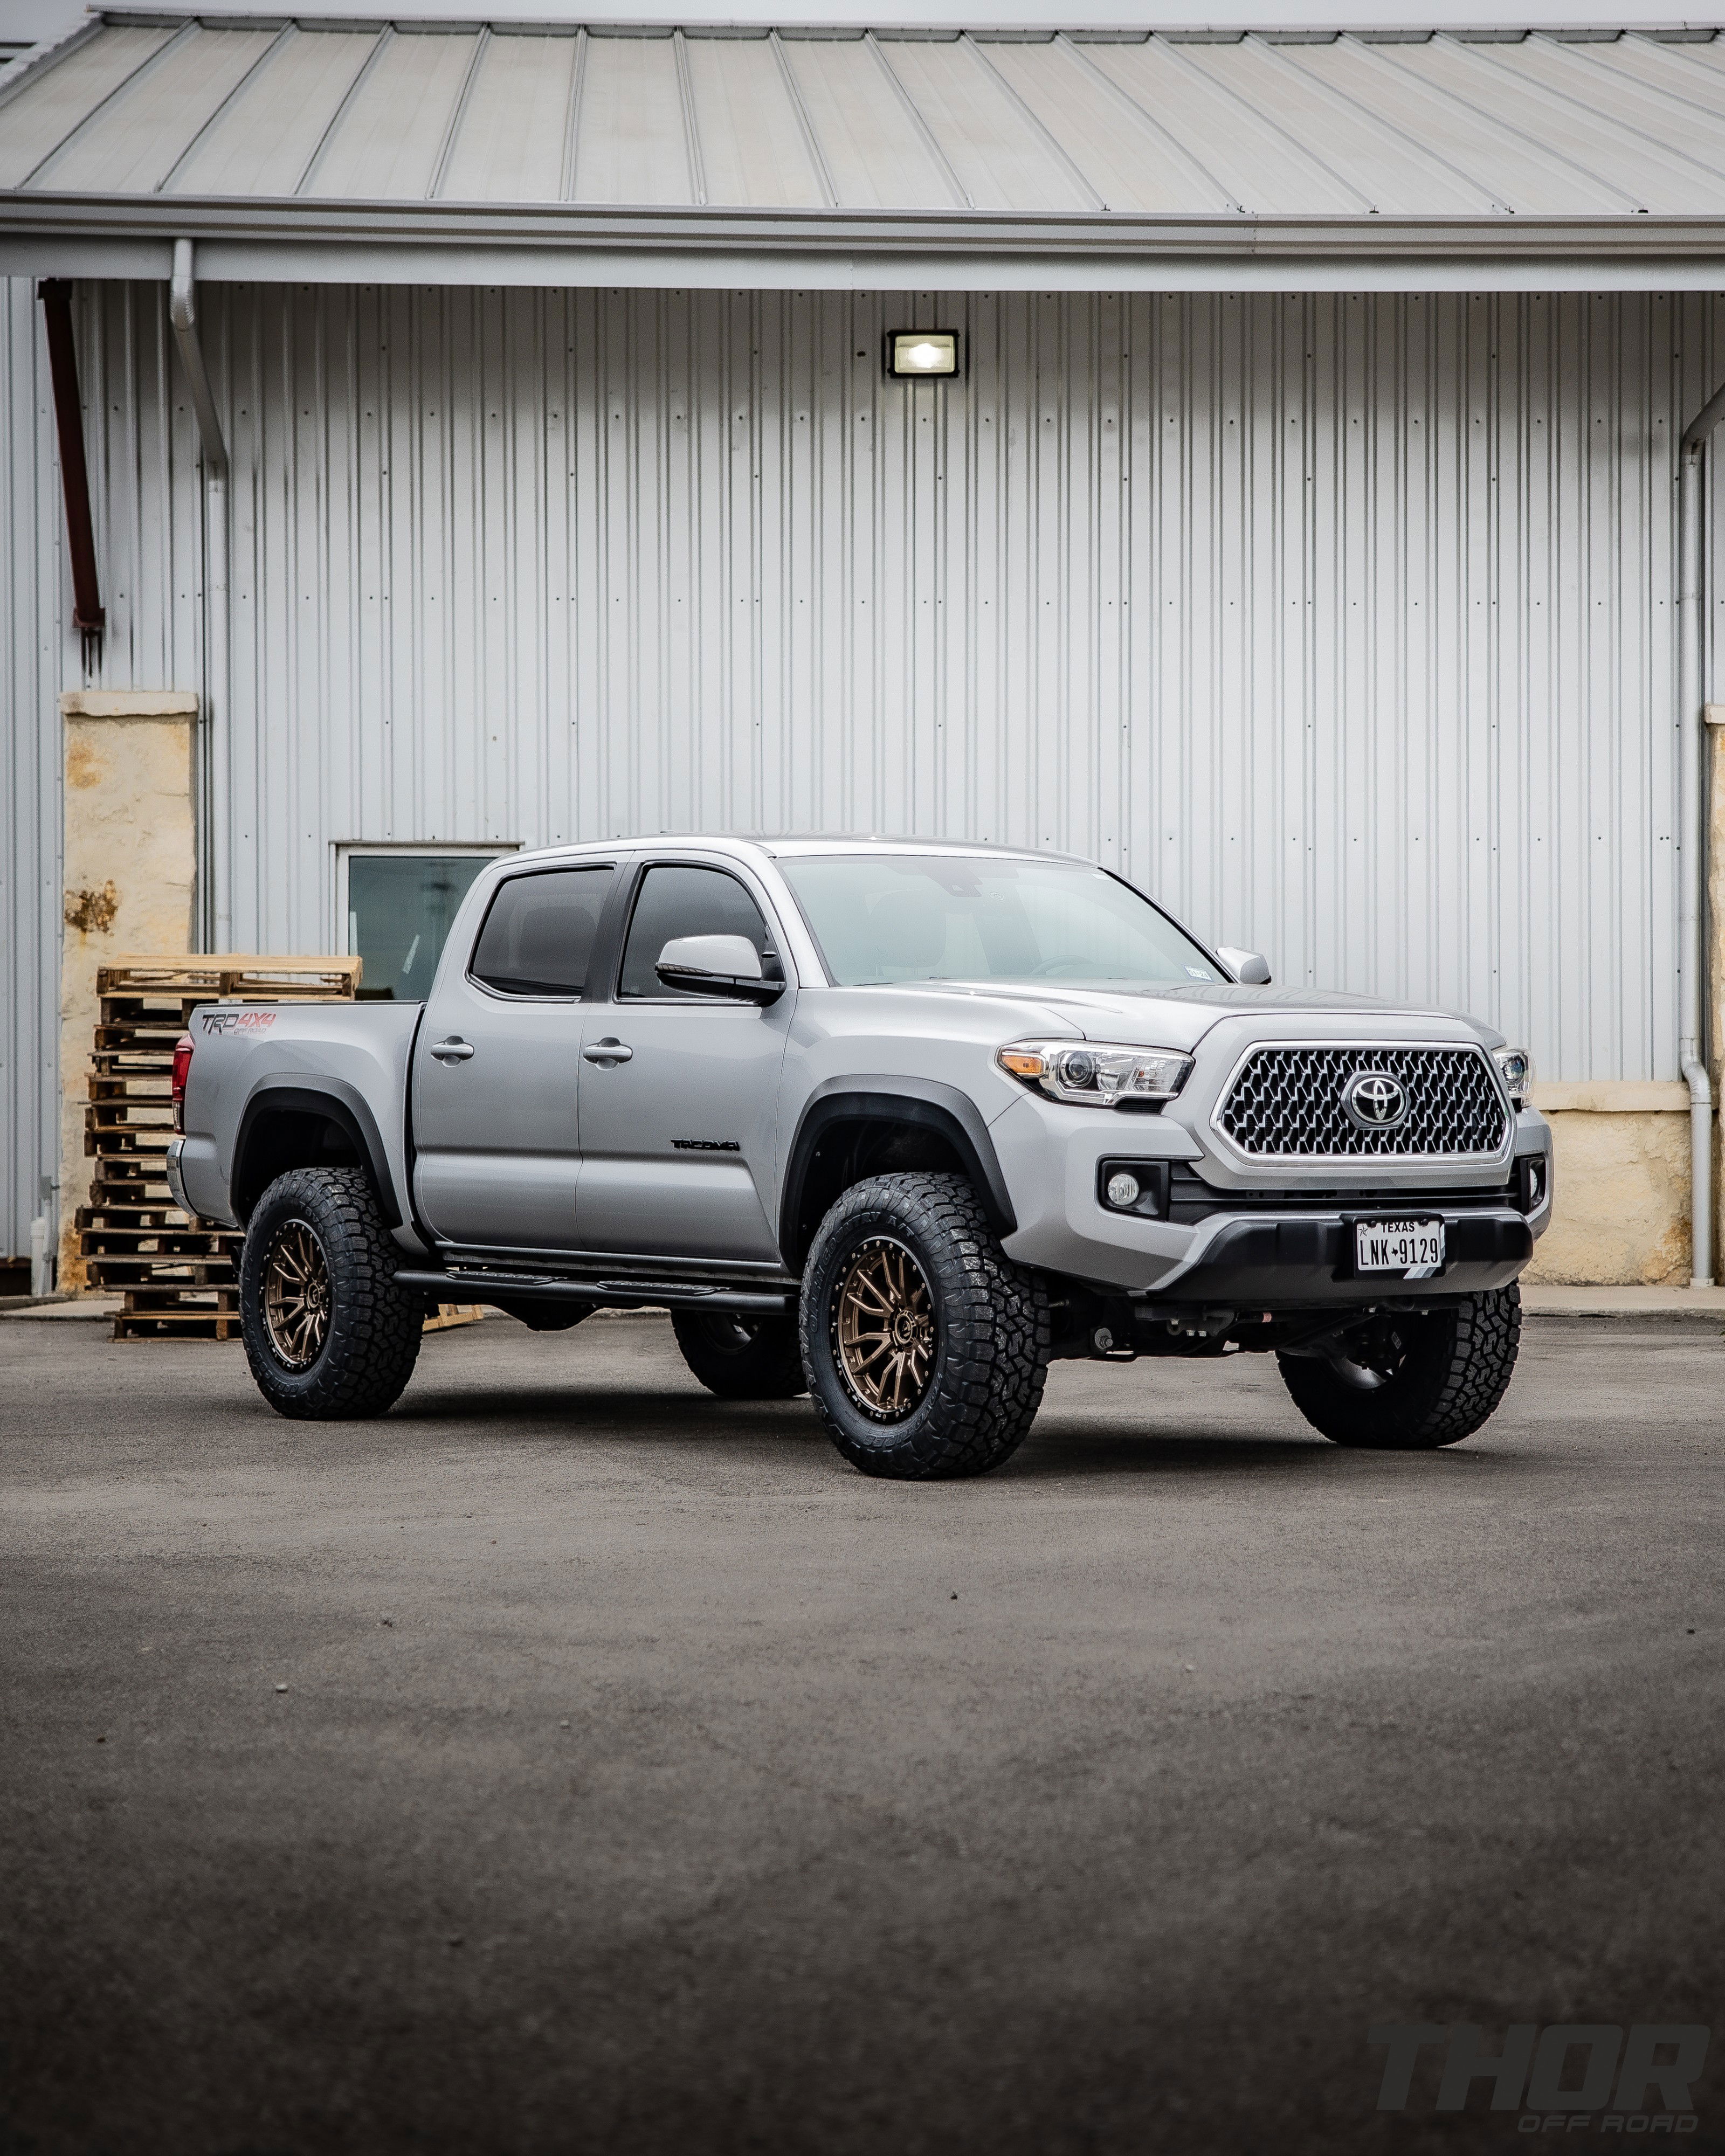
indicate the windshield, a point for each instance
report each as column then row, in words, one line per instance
column 880, row 918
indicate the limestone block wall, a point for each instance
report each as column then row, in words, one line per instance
column 1621, row 1185
column 130, row 856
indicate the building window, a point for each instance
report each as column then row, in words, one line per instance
column 397, row 902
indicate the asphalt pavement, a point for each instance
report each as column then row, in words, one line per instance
column 571, row 1762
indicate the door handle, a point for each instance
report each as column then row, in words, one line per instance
column 454, row 1049
column 609, row 1050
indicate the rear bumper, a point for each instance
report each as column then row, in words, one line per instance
column 1259, row 1264
column 176, row 1185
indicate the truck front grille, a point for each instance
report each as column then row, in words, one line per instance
column 1287, row 1104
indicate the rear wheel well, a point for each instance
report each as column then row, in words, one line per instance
column 284, row 1138
column 848, row 1151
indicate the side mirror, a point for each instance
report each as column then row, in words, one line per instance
column 716, row 966
column 1250, row 968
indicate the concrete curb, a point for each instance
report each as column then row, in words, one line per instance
column 1663, row 1306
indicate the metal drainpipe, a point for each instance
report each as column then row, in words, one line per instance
column 217, row 906
column 1691, row 1047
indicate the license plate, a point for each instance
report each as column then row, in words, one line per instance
column 1398, row 1246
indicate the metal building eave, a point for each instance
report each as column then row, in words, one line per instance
column 344, row 242
column 831, row 154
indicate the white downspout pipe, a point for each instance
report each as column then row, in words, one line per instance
column 1692, row 1046
column 217, row 900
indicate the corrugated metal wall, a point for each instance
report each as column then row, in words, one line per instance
column 1344, row 623
column 30, row 654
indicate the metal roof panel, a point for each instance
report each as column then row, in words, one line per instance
column 43, row 112
column 1673, row 71
column 1132, row 162
column 1391, row 168
column 512, row 142
column 1707, row 57
column 1624, row 125
column 876, row 153
column 1002, row 157
column 1510, row 168
column 265, row 138
column 386, row 142
column 1190, row 89
column 752, row 148
column 1608, row 167
column 136, row 139
column 631, row 141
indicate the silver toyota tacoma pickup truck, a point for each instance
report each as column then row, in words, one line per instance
column 895, row 1123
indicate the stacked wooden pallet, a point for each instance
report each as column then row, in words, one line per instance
column 179, row 1275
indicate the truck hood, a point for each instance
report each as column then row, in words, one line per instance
column 1180, row 1016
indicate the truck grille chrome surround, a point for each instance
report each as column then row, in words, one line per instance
column 1291, row 1102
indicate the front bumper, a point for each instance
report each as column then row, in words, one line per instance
column 1302, row 1262
column 1287, row 1242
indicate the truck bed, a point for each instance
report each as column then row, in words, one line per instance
column 348, row 1062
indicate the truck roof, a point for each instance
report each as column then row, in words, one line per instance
column 790, row 844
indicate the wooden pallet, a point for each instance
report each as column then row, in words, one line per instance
column 448, row 1314
column 130, row 1211
column 179, row 1276
column 218, row 976
column 185, row 1323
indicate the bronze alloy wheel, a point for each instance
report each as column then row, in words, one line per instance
column 296, row 1295
column 330, row 1333
column 884, row 1329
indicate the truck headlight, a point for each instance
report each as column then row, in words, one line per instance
column 1515, row 1067
column 1096, row 1074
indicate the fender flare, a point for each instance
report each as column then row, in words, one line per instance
column 337, row 1103
column 923, row 1103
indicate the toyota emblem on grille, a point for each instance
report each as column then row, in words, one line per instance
column 1375, row 1100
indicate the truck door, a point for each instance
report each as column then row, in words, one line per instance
column 680, row 1092
column 495, row 1065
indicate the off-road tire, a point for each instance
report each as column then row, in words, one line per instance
column 374, row 1328
column 742, row 1358
column 1455, row 1372
column 992, row 1332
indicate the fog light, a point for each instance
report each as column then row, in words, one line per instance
column 1122, row 1189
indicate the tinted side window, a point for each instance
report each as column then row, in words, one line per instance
column 538, row 934
column 686, row 902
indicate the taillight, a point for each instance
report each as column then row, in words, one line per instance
column 182, row 1071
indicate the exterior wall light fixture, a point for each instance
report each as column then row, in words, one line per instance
column 910, row 353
